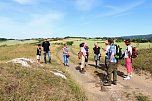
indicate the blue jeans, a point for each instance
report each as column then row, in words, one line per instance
column 49, row 56
column 65, row 59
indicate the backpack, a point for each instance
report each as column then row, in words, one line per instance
column 119, row 54
column 134, row 52
column 79, row 55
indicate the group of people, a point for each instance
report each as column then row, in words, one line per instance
column 111, row 62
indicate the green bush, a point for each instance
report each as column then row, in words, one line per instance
column 70, row 43
column 144, row 60
column 142, row 98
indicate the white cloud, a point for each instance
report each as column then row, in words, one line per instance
column 86, row 4
column 122, row 9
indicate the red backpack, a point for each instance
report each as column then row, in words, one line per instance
column 134, row 52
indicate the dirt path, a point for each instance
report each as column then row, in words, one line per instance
column 123, row 91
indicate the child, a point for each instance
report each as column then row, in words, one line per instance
column 38, row 54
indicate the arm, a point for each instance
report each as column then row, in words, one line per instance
column 129, row 52
column 64, row 51
column 43, row 46
column 104, row 49
column 111, row 56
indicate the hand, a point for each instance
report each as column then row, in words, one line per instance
column 108, row 62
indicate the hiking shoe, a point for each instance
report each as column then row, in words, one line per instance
column 114, row 82
column 127, row 78
column 107, row 84
column 130, row 76
column 82, row 72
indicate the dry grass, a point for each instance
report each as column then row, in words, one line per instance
column 29, row 84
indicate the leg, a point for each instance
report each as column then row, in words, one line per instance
column 49, row 56
column 98, row 60
column 95, row 58
column 82, row 62
column 115, row 74
column 128, row 67
column 45, row 56
column 64, row 59
column 109, row 72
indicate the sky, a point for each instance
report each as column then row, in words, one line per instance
column 21, row 19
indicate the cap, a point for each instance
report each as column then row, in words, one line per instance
column 127, row 40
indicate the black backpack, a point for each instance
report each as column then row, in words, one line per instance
column 119, row 54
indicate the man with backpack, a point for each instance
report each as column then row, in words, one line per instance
column 128, row 59
column 111, row 64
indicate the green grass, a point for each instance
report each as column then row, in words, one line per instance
column 37, row 83
column 144, row 60
column 141, row 97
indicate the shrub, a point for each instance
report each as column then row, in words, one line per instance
column 142, row 98
column 70, row 43
column 144, row 60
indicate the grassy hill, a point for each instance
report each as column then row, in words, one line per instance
column 20, row 83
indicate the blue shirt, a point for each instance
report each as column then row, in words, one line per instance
column 112, row 49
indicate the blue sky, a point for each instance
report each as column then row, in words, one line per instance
column 88, row 18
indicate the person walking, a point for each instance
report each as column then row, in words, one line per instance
column 97, row 54
column 83, row 57
column 87, row 52
column 65, row 54
column 128, row 59
column 106, row 49
column 46, row 50
column 112, row 64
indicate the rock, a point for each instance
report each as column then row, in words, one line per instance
column 59, row 73
column 23, row 61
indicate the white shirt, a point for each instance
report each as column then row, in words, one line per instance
column 107, row 48
column 83, row 51
column 129, row 49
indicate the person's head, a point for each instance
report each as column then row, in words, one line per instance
column 39, row 45
column 82, row 45
column 106, row 42
column 65, row 45
column 45, row 39
column 85, row 44
column 127, row 42
column 96, row 44
column 110, row 41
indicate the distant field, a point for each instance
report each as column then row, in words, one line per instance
column 14, row 42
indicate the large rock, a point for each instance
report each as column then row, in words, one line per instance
column 23, row 61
